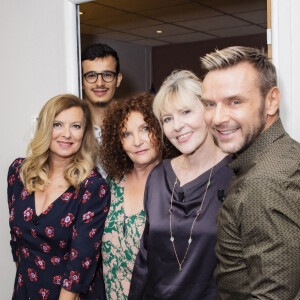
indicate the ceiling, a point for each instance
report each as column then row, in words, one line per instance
column 180, row 21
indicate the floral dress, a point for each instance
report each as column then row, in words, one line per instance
column 61, row 246
column 120, row 244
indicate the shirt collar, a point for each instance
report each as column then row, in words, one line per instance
column 244, row 159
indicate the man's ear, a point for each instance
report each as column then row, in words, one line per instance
column 272, row 101
column 119, row 79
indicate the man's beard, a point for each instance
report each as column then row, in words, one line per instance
column 252, row 136
column 101, row 103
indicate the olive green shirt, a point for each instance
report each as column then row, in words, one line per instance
column 258, row 225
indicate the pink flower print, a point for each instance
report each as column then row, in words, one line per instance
column 17, row 162
column 97, row 245
column 25, row 252
column 45, row 247
column 11, row 215
column 67, row 284
column 105, row 209
column 49, row 231
column 24, row 193
column 86, row 196
column 76, row 194
column 33, row 233
column 44, row 293
column 57, row 280
column 11, row 202
column 88, row 217
column 73, row 254
column 92, row 232
column 40, row 263
column 32, row 275
column 74, row 233
column 17, row 231
column 66, row 221
column 48, row 209
column 92, row 174
column 55, row 260
column 87, row 263
column 74, row 276
column 66, row 197
column 102, row 191
column 20, row 280
column 97, row 257
column 11, row 179
column 28, row 212
column 62, row 244
column 86, row 183
column 91, row 288
column 66, row 256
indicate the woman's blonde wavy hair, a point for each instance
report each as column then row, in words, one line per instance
column 35, row 168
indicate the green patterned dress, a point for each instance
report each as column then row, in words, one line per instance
column 120, row 244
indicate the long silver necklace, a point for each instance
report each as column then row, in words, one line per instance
column 172, row 238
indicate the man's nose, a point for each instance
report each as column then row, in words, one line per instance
column 220, row 115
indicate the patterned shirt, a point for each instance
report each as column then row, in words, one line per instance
column 61, row 246
column 259, row 223
column 120, row 244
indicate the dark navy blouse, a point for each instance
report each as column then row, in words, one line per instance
column 61, row 246
column 156, row 272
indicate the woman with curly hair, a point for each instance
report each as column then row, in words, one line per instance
column 58, row 203
column 131, row 147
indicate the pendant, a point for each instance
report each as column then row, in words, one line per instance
column 180, row 269
column 171, row 239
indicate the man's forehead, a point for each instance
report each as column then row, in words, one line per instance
column 107, row 62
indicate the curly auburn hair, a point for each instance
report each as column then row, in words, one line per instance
column 113, row 158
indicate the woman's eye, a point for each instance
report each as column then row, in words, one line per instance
column 125, row 134
column 187, row 111
column 146, row 128
column 167, row 119
column 56, row 124
column 77, row 126
column 235, row 102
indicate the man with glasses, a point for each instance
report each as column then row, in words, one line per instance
column 101, row 76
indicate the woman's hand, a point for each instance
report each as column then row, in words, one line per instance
column 65, row 295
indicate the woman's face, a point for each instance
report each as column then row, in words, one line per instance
column 67, row 133
column 183, row 123
column 137, row 141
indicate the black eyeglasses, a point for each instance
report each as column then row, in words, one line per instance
column 92, row 77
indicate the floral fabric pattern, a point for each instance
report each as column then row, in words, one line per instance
column 120, row 244
column 56, row 249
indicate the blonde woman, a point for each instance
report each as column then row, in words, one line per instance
column 176, row 258
column 58, row 203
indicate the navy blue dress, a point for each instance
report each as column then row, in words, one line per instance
column 60, row 247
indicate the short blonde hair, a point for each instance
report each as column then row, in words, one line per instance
column 231, row 56
column 176, row 86
column 35, row 168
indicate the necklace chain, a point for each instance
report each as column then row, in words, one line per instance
column 172, row 239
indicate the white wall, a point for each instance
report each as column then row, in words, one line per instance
column 286, row 57
column 135, row 62
column 38, row 60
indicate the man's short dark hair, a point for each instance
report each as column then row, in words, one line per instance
column 100, row 51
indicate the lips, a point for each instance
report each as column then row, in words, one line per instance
column 227, row 132
column 141, row 152
column 183, row 137
column 100, row 92
column 65, row 144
